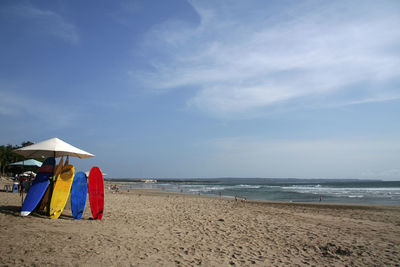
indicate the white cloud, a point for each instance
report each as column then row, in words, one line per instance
column 26, row 110
column 243, row 57
column 44, row 21
column 324, row 158
column 9, row 104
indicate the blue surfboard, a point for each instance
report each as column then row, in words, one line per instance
column 38, row 187
column 79, row 191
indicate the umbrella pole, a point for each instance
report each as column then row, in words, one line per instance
column 22, row 186
column 51, row 186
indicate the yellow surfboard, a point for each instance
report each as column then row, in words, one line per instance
column 45, row 199
column 61, row 191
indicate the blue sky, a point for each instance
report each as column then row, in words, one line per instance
column 306, row 89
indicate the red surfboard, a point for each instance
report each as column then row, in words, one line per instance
column 96, row 193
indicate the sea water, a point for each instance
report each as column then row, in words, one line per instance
column 289, row 190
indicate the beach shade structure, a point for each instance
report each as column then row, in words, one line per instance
column 53, row 147
column 28, row 162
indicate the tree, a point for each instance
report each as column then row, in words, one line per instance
column 7, row 155
column 26, row 143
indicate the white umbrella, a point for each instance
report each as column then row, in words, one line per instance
column 53, row 147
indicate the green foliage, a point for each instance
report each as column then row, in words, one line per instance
column 7, row 155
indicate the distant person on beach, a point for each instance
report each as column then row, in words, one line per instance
column 21, row 185
column 320, row 198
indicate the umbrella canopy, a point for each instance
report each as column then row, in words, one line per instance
column 53, row 147
column 28, row 162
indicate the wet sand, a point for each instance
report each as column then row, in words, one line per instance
column 155, row 228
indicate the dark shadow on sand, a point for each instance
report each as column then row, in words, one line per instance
column 11, row 210
column 16, row 212
column 65, row 217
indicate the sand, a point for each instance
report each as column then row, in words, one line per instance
column 152, row 228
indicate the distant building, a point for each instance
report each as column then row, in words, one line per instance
column 149, row 181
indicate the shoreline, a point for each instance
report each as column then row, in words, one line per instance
column 354, row 193
column 147, row 227
column 310, row 203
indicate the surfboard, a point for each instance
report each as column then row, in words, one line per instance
column 61, row 191
column 45, row 198
column 79, row 192
column 38, row 186
column 96, row 193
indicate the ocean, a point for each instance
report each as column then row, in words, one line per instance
column 288, row 190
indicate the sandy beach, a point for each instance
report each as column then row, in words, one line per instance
column 152, row 228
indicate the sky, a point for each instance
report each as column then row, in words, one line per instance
column 189, row 89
